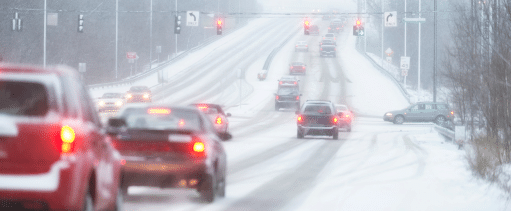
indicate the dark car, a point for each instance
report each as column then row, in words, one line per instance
column 297, row 67
column 139, row 94
column 170, row 147
column 421, row 112
column 317, row 118
column 54, row 154
column 314, row 30
column 111, row 102
column 327, row 50
column 217, row 116
column 287, row 97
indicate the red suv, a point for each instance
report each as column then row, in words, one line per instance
column 54, row 154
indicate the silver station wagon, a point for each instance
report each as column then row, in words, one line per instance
column 421, row 112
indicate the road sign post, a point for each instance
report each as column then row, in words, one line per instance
column 405, row 65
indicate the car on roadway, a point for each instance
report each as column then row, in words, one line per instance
column 170, row 147
column 287, row 97
column 314, row 30
column 327, row 50
column 217, row 116
column 345, row 117
column 329, row 36
column 421, row 112
column 54, row 154
column 139, row 94
column 297, row 68
column 317, row 117
column 327, row 42
column 111, row 102
column 289, row 80
column 301, row 46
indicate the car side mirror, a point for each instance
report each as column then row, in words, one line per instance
column 228, row 114
column 225, row 136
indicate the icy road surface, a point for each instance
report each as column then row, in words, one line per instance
column 378, row 166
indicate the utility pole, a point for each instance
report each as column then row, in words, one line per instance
column 419, row 60
column 176, row 34
column 405, row 41
column 434, row 57
column 116, row 35
column 44, row 35
column 382, row 25
column 151, row 36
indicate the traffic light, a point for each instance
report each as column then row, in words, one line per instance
column 80, row 23
column 358, row 28
column 219, row 27
column 306, row 25
column 177, row 24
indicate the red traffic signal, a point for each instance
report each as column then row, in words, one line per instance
column 359, row 22
column 307, row 23
column 219, row 22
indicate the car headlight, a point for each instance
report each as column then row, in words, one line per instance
column 388, row 114
column 129, row 96
column 101, row 103
column 118, row 103
column 146, row 96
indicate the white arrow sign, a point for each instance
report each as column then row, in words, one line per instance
column 192, row 18
column 390, row 19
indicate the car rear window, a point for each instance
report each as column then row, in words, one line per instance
column 158, row 118
column 287, row 91
column 139, row 88
column 317, row 109
column 23, row 98
column 329, row 35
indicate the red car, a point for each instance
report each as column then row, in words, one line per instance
column 170, row 147
column 54, row 154
column 297, row 67
column 216, row 115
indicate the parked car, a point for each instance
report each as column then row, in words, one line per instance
column 54, row 154
column 111, row 102
column 170, row 147
column 421, row 112
column 139, row 94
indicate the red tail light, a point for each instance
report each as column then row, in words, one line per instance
column 329, row 28
column 334, row 120
column 299, row 118
column 306, row 45
column 277, row 97
column 198, row 149
column 280, row 82
column 291, row 67
column 295, row 82
column 321, row 49
column 296, row 46
column 218, row 120
column 347, row 116
column 67, row 135
column 297, row 97
column 452, row 112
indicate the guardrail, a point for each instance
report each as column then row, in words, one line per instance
column 447, row 133
column 131, row 80
column 262, row 75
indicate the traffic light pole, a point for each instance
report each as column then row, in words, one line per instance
column 151, row 35
column 434, row 58
column 117, row 36
column 419, row 59
column 382, row 25
column 405, row 43
column 176, row 34
column 44, row 35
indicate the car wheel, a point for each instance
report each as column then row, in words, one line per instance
column 88, row 204
column 207, row 190
column 299, row 134
column 440, row 119
column 221, row 187
column 335, row 133
column 119, row 200
column 399, row 120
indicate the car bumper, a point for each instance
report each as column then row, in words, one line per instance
column 293, row 71
column 317, row 130
column 301, row 48
column 138, row 99
column 109, row 108
column 54, row 190
column 327, row 52
column 162, row 174
column 388, row 118
column 287, row 103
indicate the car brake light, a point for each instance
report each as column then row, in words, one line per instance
column 321, row 49
column 297, row 97
column 299, row 118
column 306, row 45
column 347, row 116
column 452, row 112
column 146, row 96
column 219, row 120
column 198, row 147
column 67, row 135
column 280, row 82
column 129, row 96
column 202, row 107
column 291, row 67
column 181, row 123
column 295, row 82
column 158, row 111
column 277, row 97
column 334, row 119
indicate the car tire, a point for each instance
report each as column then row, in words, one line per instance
column 299, row 134
column 207, row 189
column 440, row 119
column 335, row 133
column 399, row 119
column 88, row 204
column 119, row 200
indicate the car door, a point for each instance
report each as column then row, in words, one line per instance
column 415, row 113
column 429, row 112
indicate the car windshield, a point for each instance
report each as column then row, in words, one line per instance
column 161, row 118
column 317, row 109
column 288, row 91
column 23, row 98
column 112, row 95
